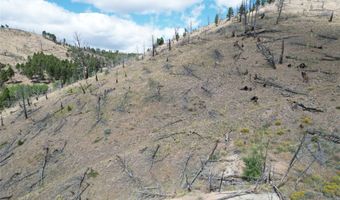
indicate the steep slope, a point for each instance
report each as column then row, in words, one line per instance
column 180, row 120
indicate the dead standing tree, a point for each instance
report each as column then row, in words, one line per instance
column 23, row 94
column 153, row 46
column 80, row 56
column 282, row 52
column 280, row 7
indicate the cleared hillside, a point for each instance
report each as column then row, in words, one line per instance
column 17, row 45
column 185, row 119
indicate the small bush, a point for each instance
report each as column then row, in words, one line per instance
column 69, row 108
column 277, row 123
column 253, row 165
column 92, row 174
column 20, row 142
column 307, row 120
column 280, row 132
column 107, row 131
column 298, row 195
column 244, row 130
column 331, row 189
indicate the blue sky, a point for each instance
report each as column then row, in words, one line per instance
column 124, row 25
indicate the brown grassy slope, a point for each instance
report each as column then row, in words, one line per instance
column 200, row 102
column 17, row 45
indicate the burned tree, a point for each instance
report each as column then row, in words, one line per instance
column 80, row 56
column 280, row 6
column 23, row 101
column 331, row 18
column 153, row 46
column 1, row 120
column 282, row 52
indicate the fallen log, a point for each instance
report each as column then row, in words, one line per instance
column 266, row 82
column 305, row 108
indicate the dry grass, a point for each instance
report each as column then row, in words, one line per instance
column 184, row 121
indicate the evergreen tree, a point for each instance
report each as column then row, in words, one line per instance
column 216, row 19
column 230, row 13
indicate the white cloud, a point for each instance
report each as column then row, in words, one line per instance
column 140, row 6
column 194, row 15
column 228, row 3
column 96, row 29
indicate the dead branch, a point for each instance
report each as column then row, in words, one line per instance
column 266, row 82
column 44, row 166
column 6, row 197
column 78, row 197
column 327, row 136
column 185, row 166
column 80, row 190
column 304, row 172
column 189, row 72
column 172, row 123
column 267, row 54
column 169, row 135
column 278, row 192
column 153, row 157
column 327, row 37
column 292, row 161
column 206, row 91
column 147, row 194
column 330, row 58
column 331, row 18
column 304, row 108
column 82, row 88
column 305, row 45
column 123, row 164
column 219, row 189
column 203, row 164
column 238, row 194
column 4, row 160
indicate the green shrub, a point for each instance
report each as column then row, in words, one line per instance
column 20, row 142
column 332, row 188
column 253, row 165
column 107, row 131
column 69, row 108
column 244, row 130
column 92, row 173
column 298, row 195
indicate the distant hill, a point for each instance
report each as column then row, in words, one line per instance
column 17, row 45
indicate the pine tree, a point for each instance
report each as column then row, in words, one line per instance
column 230, row 13
column 216, row 19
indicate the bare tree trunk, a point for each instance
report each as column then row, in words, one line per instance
column 282, row 52
column 255, row 19
column 280, row 10
column 153, row 47
column 331, row 18
column 23, row 103
column 2, row 121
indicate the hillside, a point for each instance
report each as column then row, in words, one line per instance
column 179, row 125
column 17, row 45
